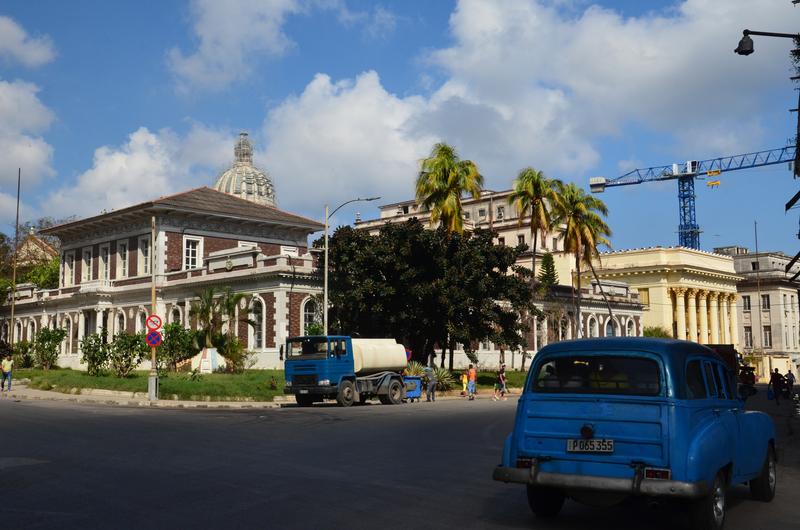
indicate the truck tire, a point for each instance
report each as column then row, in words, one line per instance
column 545, row 502
column 304, row 400
column 708, row 513
column 347, row 394
column 395, row 392
column 762, row 488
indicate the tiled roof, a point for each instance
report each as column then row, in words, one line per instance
column 205, row 201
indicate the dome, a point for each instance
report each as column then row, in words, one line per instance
column 245, row 180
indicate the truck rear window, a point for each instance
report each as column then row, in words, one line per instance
column 591, row 374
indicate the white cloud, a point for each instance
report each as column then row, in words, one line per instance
column 337, row 139
column 17, row 45
column 232, row 36
column 23, row 117
column 148, row 165
column 544, row 83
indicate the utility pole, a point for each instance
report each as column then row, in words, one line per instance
column 152, row 379
column 14, row 266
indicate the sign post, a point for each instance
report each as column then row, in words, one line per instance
column 153, row 319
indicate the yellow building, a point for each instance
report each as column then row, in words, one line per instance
column 690, row 293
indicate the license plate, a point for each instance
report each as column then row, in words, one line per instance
column 303, row 391
column 590, row 446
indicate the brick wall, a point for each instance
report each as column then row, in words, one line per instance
column 174, row 251
column 294, row 307
column 214, row 244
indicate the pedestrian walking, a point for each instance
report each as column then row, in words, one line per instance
column 430, row 389
column 500, row 385
column 6, row 366
column 472, row 380
column 776, row 384
column 789, row 378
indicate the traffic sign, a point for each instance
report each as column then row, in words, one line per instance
column 153, row 338
column 154, row 322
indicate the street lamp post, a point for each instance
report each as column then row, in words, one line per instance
column 325, row 289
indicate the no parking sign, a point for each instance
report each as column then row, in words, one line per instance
column 153, row 338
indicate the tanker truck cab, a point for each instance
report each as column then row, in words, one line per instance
column 348, row 370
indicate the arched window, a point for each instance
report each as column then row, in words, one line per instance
column 68, row 337
column 142, row 322
column 592, row 327
column 5, row 332
column 120, row 322
column 631, row 329
column 18, row 332
column 309, row 314
column 31, row 331
column 258, row 329
column 611, row 328
column 176, row 315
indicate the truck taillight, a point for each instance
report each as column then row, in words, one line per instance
column 524, row 462
column 657, row 474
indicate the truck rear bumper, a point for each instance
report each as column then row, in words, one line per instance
column 647, row 487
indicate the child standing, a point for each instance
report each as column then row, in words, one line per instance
column 472, row 379
column 464, row 379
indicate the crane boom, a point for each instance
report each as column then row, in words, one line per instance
column 688, row 229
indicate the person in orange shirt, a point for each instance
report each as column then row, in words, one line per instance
column 472, row 379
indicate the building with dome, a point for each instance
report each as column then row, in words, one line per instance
column 232, row 236
column 243, row 179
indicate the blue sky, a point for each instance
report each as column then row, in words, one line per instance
column 108, row 103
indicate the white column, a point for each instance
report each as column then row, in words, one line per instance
column 81, row 323
column 734, row 320
column 98, row 320
column 544, row 332
column 281, row 329
column 692, row 299
column 714, row 317
column 726, row 329
column 703, row 295
column 680, row 311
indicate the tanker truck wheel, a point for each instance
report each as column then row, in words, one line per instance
column 347, row 394
column 395, row 396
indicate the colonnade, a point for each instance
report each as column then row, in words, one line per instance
column 705, row 316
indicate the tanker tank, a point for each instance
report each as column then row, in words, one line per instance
column 371, row 356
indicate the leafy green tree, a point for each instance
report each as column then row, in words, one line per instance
column 442, row 180
column 23, row 354
column 127, row 351
column 657, row 332
column 548, row 277
column 581, row 215
column 45, row 346
column 45, row 274
column 204, row 310
column 96, row 352
column 178, row 345
column 533, row 195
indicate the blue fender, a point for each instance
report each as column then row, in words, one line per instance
column 709, row 451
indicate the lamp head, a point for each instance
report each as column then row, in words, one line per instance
column 745, row 46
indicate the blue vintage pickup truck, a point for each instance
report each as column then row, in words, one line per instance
column 603, row 419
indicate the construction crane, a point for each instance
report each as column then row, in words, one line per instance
column 688, row 229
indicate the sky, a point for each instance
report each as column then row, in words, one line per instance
column 105, row 104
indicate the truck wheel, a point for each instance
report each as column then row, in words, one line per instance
column 304, row 400
column 708, row 513
column 763, row 487
column 395, row 392
column 545, row 502
column 347, row 394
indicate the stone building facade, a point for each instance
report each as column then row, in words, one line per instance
column 690, row 293
column 768, row 309
column 204, row 238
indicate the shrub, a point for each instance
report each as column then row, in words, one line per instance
column 236, row 357
column 179, row 344
column 23, row 354
column 414, row 368
column 126, row 352
column 444, row 379
column 45, row 347
column 656, row 331
column 95, row 350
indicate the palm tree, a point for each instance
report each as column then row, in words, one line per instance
column 532, row 193
column 584, row 229
column 204, row 310
column 443, row 179
column 590, row 253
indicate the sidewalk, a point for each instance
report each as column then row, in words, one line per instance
column 90, row 396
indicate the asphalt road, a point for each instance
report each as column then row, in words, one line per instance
column 422, row 465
